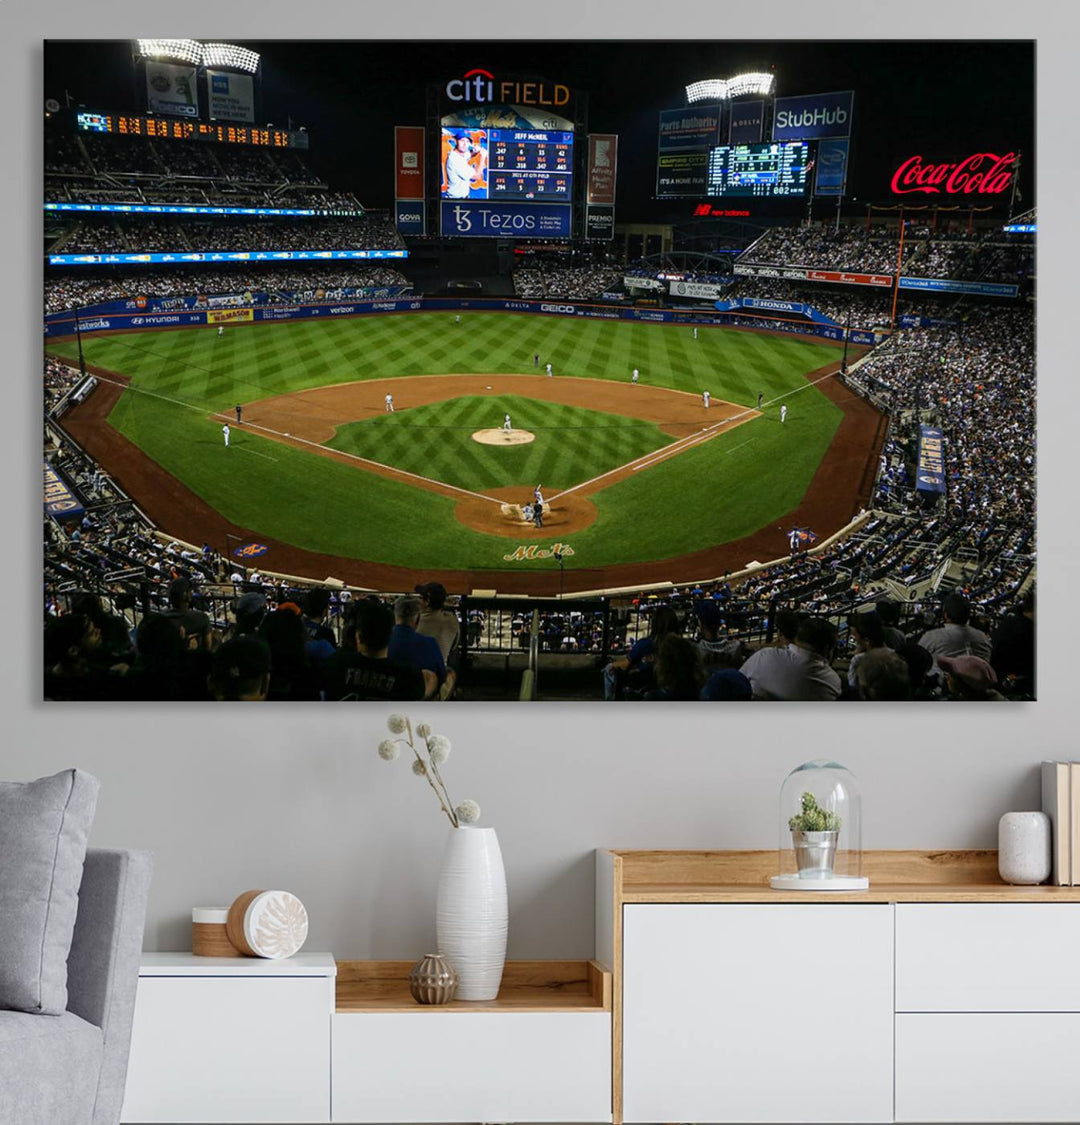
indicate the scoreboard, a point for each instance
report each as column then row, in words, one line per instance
column 775, row 169
column 526, row 164
column 132, row 125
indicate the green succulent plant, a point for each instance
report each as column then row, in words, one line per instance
column 814, row 819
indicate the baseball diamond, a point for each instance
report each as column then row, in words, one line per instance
column 337, row 486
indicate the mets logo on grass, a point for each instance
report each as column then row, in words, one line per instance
column 250, row 550
column 523, row 554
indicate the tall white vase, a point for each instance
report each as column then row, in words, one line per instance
column 470, row 914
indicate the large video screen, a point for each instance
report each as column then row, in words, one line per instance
column 772, row 170
column 524, row 165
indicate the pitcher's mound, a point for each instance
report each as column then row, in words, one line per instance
column 503, row 437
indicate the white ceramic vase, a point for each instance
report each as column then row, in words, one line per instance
column 470, row 914
column 1024, row 840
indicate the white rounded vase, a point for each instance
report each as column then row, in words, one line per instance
column 470, row 913
column 1024, row 848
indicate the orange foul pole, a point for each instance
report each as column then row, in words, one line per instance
column 896, row 280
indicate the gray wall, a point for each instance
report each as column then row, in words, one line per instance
column 232, row 798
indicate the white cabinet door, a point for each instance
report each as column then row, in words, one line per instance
column 472, row 1066
column 988, row 957
column 986, row 1066
column 758, row 1013
column 230, row 1049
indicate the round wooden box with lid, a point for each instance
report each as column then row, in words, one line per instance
column 271, row 924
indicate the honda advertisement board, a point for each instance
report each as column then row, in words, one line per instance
column 232, row 96
column 603, row 154
column 747, row 123
column 813, row 116
column 599, row 221
column 832, row 163
column 477, row 218
column 171, row 89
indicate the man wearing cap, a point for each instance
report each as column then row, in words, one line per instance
column 362, row 669
column 249, row 609
column 715, row 649
column 970, row 678
column 435, row 619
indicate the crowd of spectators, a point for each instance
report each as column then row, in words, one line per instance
column 819, row 246
column 290, row 283
column 565, row 282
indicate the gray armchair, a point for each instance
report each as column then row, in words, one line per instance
column 70, row 1069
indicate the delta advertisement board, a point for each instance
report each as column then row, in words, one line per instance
column 813, row 117
column 467, row 218
column 747, row 123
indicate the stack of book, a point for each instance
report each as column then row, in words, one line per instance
column 1061, row 803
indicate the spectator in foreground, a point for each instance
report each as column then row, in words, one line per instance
column 634, row 672
column 196, row 625
column 362, row 669
column 241, row 670
column 321, row 642
column 727, row 685
column 717, row 650
column 407, row 646
column 970, row 678
column 869, row 632
column 291, row 674
column 956, row 637
column 435, row 619
column 677, row 669
column 799, row 671
column 882, row 675
column 1013, row 656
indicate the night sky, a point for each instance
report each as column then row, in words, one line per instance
column 939, row 98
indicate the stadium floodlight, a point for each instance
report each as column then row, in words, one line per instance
column 181, row 50
column 721, row 89
column 230, row 57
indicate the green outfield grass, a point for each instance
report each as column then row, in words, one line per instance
column 724, row 489
column 570, row 444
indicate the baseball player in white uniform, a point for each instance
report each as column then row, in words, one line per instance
column 548, row 369
column 225, row 431
column 695, row 331
column 457, row 319
column 506, row 424
column 538, row 495
column 221, row 330
column 705, row 396
column 634, row 377
column 783, row 412
column 389, row 404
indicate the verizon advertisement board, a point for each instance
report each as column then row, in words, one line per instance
column 409, row 210
column 603, row 155
column 698, row 290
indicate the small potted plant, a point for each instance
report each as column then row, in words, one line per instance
column 814, row 835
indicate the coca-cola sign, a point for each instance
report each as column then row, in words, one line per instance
column 982, row 173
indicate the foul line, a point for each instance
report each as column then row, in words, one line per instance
column 688, row 442
column 325, row 450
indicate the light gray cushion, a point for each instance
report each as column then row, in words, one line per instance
column 44, row 826
column 49, row 1069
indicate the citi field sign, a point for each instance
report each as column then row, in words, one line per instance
column 480, row 87
column 982, row 173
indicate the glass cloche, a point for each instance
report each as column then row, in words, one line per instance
column 820, row 830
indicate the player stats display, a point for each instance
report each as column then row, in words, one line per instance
column 515, row 165
column 777, row 169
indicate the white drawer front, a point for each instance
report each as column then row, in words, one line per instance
column 988, row 1067
column 988, row 957
column 233, row 1049
column 472, row 1066
column 748, row 1013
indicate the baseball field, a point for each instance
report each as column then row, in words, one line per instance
column 641, row 482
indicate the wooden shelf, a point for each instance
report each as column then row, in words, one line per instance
column 895, row 876
column 527, row 986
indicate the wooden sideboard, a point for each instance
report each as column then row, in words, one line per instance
column 940, row 994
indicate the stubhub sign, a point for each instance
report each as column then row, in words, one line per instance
column 477, row 218
column 813, row 116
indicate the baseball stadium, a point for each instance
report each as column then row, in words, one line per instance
column 551, row 404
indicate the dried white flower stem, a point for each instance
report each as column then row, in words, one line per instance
column 443, row 797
